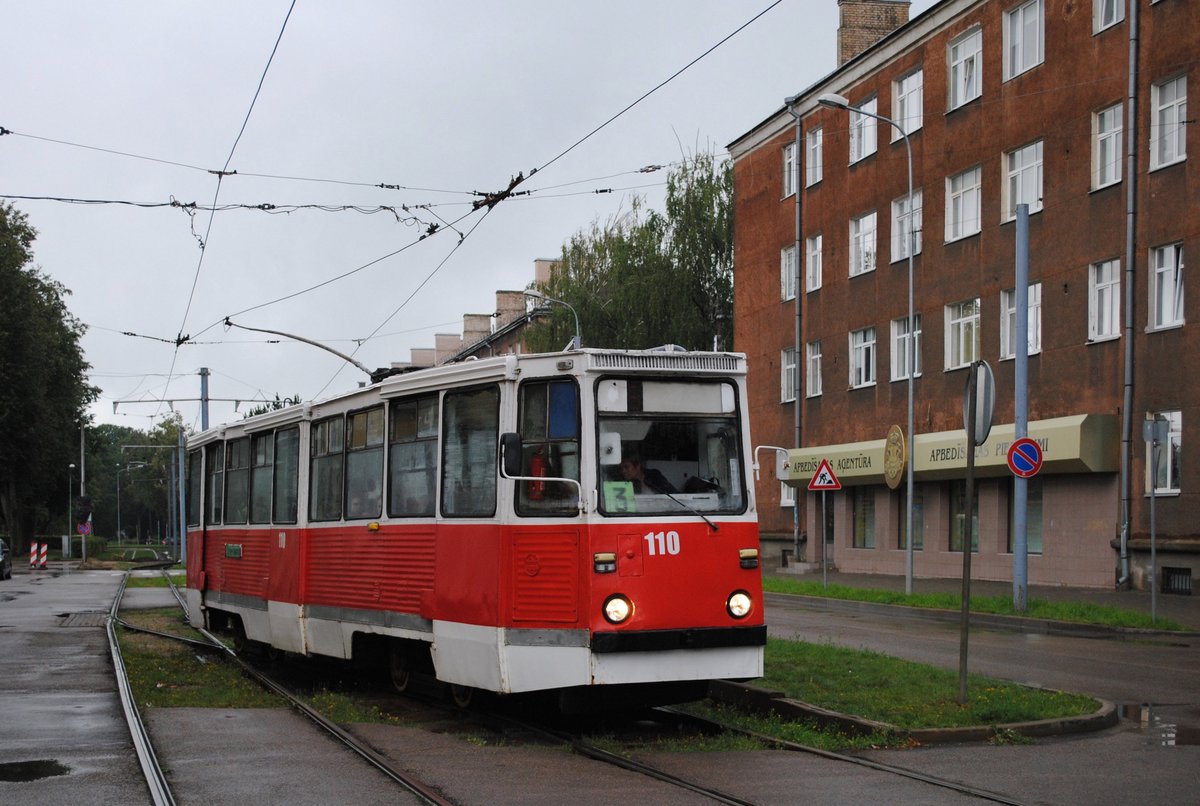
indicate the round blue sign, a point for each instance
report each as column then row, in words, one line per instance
column 1025, row 457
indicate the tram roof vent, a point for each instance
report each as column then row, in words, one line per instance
column 662, row 360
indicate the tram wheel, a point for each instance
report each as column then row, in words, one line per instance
column 463, row 696
column 240, row 642
column 400, row 667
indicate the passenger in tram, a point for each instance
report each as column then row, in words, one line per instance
column 652, row 480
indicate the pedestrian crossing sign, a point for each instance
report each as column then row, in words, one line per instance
column 824, row 479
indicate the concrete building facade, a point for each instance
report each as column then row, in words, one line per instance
column 1077, row 110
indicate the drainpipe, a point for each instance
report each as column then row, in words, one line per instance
column 1131, row 117
column 801, row 359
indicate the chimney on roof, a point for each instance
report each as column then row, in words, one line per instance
column 862, row 23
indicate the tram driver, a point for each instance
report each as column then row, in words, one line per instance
column 644, row 479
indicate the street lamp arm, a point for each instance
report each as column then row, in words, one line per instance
column 533, row 293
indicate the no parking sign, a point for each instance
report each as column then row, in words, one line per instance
column 1025, row 458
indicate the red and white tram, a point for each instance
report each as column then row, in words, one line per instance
column 578, row 521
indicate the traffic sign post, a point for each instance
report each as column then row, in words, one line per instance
column 979, row 405
column 824, row 480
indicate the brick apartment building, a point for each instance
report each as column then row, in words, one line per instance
column 1005, row 102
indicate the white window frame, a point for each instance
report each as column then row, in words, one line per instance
column 787, row 375
column 1107, row 136
column 1023, row 179
column 1166, row 286
column 862, row 244
column 812, row 385
column 790, row 169
column 900, row 347
column 1106, row 14
column 963, row 210
column 864, row 130
column 1168, row 126
column 962, row 334
column 862, row 358
column 965, row 57
column 787, row 495
column 812, row 266
column 1024, row 38
column 1169, row 456
column 1008, row 322
column 789, row 270
column 813, row 170
column 900, row 226
column 908, row 102
column 1104, row 300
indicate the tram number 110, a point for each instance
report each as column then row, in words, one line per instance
column 662, row 542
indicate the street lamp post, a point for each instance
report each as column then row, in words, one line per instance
column 130, row 466
column 70, row 505
column 836, row 101
column 577, row 341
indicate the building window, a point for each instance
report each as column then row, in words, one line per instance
column 1106, row 146
column 966, row 67
column 962, row 333
column 1106, row 13
column 1168, row 104
column 908, row 105
column 1023, row 38
column 862, row 130
column 813, row 171
column 901, row 219
column 1166, row 293
column 789, row 170
column 1104, row 300
column 787, row 495
column 813, row 267
column 1166, row 472
column 1008, row 321
column 813, row 369
column 787, row 375
column 863, row 499
column 962, row 204
column 1033, row 515
column 1024, row 186
column 862, row 357
column 958, row 516
column 900, row 347
column 862, row 244
column 787, row 273
column 918, row 518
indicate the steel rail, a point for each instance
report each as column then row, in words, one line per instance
column 156, row 779
column 879, row 766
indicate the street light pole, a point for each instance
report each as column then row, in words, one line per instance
column 576, row 342
column 120, row 470
column 70, row 504
column 836, row 101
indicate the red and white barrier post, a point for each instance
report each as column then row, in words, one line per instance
column 33, row 554
column 45, row 547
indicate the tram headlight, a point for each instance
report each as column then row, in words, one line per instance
column 617, row 609
column 739, row 604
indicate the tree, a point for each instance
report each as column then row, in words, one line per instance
column 43, row 388
column 272, row 405
column 647, row 278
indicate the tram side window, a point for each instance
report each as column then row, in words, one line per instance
column 287, row 475
column 262, row 459
column 325, row 472
column 549, row 446
column 470, row 425
column 194, row 484
column 412, row 457
column 237, row 478
column 214, row 460
column 364, row 464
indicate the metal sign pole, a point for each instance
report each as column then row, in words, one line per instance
column 968, row 534
column 824, row 544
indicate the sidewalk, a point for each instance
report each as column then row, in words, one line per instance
column 1183, row 609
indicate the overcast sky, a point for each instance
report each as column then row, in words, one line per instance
column 441, row 98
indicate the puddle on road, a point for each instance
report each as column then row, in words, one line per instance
column 25, row 771
column 1160, row 732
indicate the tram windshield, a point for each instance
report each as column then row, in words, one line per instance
column 669, row 447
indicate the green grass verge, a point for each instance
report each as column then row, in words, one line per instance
column 1077, row 612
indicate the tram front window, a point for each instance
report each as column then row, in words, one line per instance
column 669, row 447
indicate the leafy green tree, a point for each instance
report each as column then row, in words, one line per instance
column 272, row 405
column 646, row 278
column 43, row 388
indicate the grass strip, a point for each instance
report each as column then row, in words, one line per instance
column 1075, row 612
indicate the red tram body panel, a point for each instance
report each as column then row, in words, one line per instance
column 565, row 521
